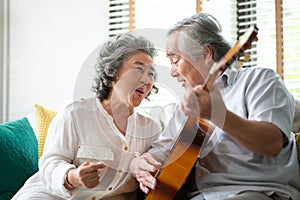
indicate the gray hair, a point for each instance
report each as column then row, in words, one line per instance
column 205, row 30
column 111, row 57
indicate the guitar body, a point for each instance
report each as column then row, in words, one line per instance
column 177, row 167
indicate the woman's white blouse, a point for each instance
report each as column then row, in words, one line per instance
column 84, row 131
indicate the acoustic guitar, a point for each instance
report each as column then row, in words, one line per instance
column 186, row 149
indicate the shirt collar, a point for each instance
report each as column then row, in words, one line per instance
column 229, row 76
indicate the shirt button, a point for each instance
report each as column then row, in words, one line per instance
column 120, row 170
column 93, row 198
column 125, row 148
column 110, row 188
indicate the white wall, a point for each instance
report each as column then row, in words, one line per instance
column 49, row 40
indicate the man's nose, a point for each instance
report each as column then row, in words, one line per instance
column 174, row 72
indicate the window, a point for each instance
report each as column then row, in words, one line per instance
column 278, row 36
column 154, row 23
column 161, row 14
column 291, row 45
column 278, row 22
column 120, row 16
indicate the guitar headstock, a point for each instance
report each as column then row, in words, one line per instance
column 244, row 43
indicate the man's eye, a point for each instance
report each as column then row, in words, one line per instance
column 174, row 62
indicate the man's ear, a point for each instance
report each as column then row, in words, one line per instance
column 209, row 55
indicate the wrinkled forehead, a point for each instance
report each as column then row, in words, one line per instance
column 174, row 44
column 179, row 43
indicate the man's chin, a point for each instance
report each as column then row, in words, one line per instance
column 185, row 85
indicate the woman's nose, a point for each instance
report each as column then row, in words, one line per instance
column 146, row 79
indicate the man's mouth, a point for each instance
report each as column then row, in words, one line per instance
column 183, row 82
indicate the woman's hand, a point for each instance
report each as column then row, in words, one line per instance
column 87, row 174
column 143, row 168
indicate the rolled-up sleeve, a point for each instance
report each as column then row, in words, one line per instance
column 58, row 154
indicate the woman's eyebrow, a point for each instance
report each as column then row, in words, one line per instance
column 145, row 65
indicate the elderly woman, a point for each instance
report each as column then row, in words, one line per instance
column 91, row 142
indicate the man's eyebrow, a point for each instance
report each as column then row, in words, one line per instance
column 171, row 53
column 139, row 63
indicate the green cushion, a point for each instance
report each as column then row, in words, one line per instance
column 18, row 156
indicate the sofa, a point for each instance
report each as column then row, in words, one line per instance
column 22, row 142
column 21, row 145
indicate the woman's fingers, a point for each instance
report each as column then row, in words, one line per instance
column 88, row 173
column 88, row 167
column 151, row 161
column 147, row 180
column 92, row 181
column 144, row 188
column 143, row 168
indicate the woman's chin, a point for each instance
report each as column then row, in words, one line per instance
column 136, row 101
column 136, row 104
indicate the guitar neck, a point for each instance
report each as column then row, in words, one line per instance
column 210, row 81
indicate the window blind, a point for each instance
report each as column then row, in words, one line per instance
column 236, row 17
column 162, row 14
column 118, row 17
column 266, row 45
column 246, row 18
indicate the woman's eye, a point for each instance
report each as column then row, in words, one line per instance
column 151, row 74
column 139, row 68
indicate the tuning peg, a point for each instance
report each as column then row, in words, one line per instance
column 239, row 64
column 245, row 57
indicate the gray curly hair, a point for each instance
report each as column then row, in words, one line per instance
column 110, row 59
